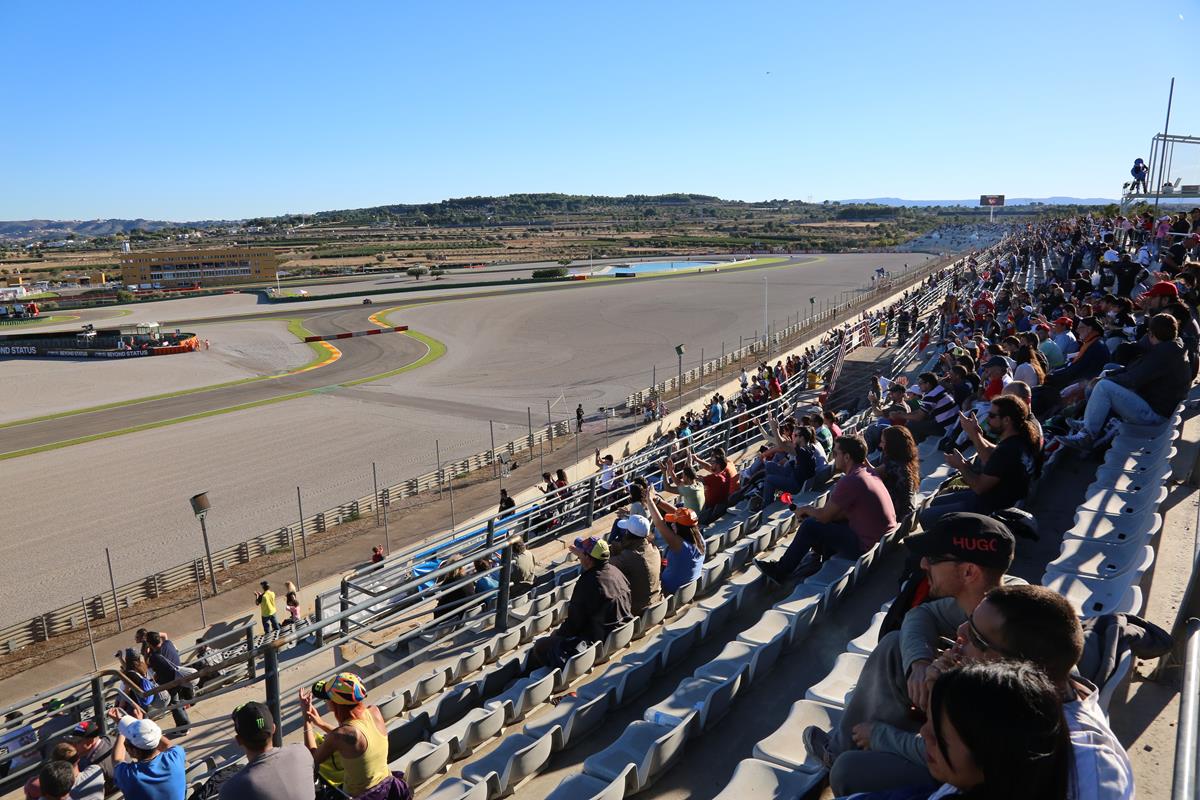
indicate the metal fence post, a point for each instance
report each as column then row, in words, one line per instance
column 271, row 682
column 505, row 583
column 491, row 531
column 250, row 668
column 591, row 501
column 344, row 606
column 320, row 636
column 98, row 715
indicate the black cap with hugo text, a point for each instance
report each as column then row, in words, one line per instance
column 963, row 536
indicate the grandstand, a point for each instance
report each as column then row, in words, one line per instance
column 709, row 690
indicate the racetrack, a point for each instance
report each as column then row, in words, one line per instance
column 590, row 342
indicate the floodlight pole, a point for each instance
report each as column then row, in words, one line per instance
column 212, row 576
column 1162, row 151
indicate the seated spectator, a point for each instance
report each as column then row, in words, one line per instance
column 639, row 561
column 1144, row 393
column 485, row 582
column 88, row 783
column 802, row 460
column 1021, row 390
column 1038, row 626
column 523, row 568
column 936, row 410
column 1064, row 338
column 829, row 421
column 964, row 557
column 146, row 766
column 899, row 468
column 995, row 376
column 55, row 781
column 1001, row 475
column 680, row 529
column 599, row 604
column 684, row 483
column 857, row 514
column 454, row 589
column 1029, row 367
column 93, row 749
column 274, row 773
column 968, row 706
column 1090, row 358
column 718, row 486
column 359, row 738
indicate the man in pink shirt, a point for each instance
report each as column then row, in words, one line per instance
column 857, row 514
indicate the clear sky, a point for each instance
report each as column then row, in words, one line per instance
column 207, row 110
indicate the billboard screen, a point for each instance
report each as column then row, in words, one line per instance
column 991, row 199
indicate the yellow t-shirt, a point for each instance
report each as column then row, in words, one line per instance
column 266, row 603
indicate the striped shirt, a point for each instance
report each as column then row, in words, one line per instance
column 939, row 405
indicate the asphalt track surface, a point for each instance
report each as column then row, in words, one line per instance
column 590, row 343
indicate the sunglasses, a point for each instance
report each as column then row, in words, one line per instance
column 977, row 639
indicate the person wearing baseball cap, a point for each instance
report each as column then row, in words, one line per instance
column 1158, row 296
column 359, row 738
column 1063, row 335
column 1048, row 347
column 639, row 561
column 146, row 766
column 274, row 773
column 680, row 530
column 599, row 604
column 94, row 749
column 963, row 556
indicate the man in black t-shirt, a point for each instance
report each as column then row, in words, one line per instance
column 1002, row 472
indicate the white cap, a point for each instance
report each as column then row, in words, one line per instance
column 142, row 733
column 636, row 524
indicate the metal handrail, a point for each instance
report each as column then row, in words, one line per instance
column 1183, row 784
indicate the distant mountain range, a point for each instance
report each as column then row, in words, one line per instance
column 91, row 227
column 974, row 202
column 487, row 210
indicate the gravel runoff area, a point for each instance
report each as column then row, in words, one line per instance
column 34, row 387
column 505, row 354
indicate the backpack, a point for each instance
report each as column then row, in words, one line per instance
column 211, row 788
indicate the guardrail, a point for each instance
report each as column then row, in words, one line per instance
column 102, row 606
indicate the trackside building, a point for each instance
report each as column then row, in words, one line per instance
column 174, row 268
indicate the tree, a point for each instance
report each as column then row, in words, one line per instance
column 416, row 271
column 437, row 272
column 124, row 296
column 380, row 258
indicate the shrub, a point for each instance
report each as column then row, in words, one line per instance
column 437, row 272
column 416, row 272
column 124, row 296
column 554, row 272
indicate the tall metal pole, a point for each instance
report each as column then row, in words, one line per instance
column 212, row 576
column 91, row 644
column 113, row 585
column 766, row 324
column 437, row 451
column 492, row 433
column 1162, row 154
column 680, row 386
column 200, row 593
column 550, row 426
column 295, row 561
column 387, row 538
column 303, row 539
column 375, row 483
column 529, row 414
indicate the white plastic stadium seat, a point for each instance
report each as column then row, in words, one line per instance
column 573, row 717
column 515, row 759
column 835, row 688
column 762, row 780
column 648, row 747
column 585, row 787
column 865, row 643
column 703, row 700
column 1093, row 559
column 1093, row 598
column 785, row 746
column 1114, row 530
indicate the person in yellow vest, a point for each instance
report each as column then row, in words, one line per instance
column 266, row 607
column 359, row 739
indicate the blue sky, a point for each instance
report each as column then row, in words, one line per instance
column 226, row 110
